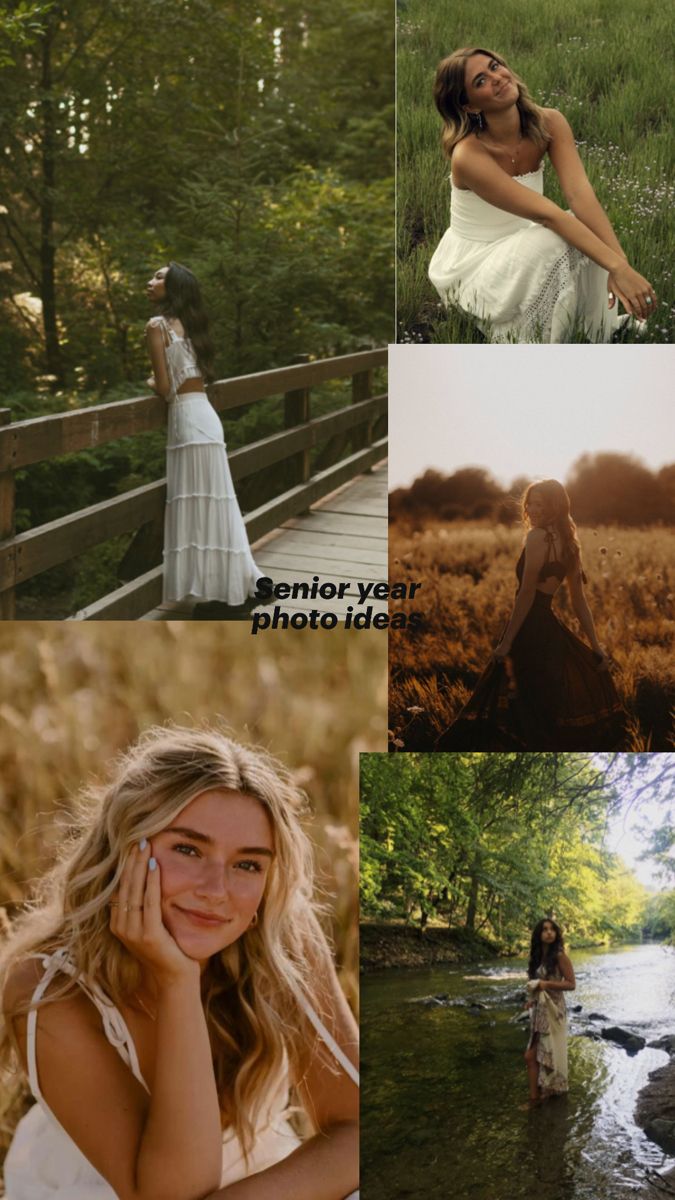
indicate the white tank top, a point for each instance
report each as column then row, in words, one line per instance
column 44, row 1163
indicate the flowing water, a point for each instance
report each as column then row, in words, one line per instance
column 443, row 1085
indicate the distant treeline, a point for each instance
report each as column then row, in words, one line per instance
column 604, row 489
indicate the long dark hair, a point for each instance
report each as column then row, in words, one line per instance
column 539, row 953
column 183, row 300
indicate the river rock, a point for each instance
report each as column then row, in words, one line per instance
column 656, row 1101
column 663, row 1133
column 576, row 1007
column 431, row 1001
column 623, row 1037
column 597, row 1017
column 667, row 1043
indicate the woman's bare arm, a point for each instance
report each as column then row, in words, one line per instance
column 475, row 168
column 582, row 611
column 576, row 186
column 535, row 553
column 160, row 376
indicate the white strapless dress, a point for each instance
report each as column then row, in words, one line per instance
column 519, row 281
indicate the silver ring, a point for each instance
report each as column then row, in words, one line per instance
column 649, row 300
column 611, row 295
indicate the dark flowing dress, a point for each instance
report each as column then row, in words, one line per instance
column 549, row 694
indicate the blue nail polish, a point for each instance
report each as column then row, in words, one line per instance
column 152, row 864
column 142, row 844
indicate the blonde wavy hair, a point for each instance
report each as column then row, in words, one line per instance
column 451, row 98
column 556, row 504
column 249, row 990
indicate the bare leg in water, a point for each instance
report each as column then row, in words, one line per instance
column 533, row 1070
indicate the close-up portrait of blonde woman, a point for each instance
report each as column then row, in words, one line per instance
column 170, row 984
column 178, row 874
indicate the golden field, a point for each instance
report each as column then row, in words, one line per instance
column 467, row 570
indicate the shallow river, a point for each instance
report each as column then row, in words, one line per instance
column 443, row 1086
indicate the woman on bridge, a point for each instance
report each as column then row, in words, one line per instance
column 518, row 264
column 544, row 689
column 550, row 975
column 206, row 551
column 163, row 995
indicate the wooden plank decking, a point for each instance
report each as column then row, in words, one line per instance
column 342, row 539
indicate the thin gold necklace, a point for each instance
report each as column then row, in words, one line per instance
column 506, row 150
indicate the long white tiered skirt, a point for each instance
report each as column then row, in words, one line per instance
column 206, row 550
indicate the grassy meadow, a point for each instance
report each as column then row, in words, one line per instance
column 73, row 696
column 467, row 570
column 601, row 63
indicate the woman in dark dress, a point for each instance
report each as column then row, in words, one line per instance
column 543, row 689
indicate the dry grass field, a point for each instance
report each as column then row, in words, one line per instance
column 467, row 572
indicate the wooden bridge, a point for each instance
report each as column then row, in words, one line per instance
column 319, row 453
column 342, row 540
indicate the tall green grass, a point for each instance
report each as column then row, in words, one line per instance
column 601, row 62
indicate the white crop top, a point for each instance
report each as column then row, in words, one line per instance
column 181, row 360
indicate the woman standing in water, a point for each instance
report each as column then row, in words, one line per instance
column 522, row 267
column 544, row 689
column 171, row 988
column 550, row 974
column 206, row 551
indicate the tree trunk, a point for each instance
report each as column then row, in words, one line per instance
column 47, row 240
column 472, row 907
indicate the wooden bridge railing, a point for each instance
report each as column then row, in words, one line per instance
column 353, row 439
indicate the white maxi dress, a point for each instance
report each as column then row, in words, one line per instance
column 206, row 551
column 44, row 1163
column 518, row 280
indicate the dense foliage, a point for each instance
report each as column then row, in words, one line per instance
column 253, row 141
column 488, row 843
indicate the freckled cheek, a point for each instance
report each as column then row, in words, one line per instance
column 175, row 874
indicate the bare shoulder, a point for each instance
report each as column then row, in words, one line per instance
column 466, row 155
column 62, row 1016
column 556, row 122
column 154, row 325
column 535, row 537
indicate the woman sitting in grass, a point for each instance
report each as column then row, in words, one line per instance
column 523, row 268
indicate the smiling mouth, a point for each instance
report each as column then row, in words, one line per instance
column 208, row 919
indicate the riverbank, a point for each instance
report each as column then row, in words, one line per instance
column 387, row 944
column 397, row 944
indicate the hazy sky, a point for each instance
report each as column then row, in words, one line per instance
column 527, row 410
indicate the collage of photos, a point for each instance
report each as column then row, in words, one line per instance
column 337, row 654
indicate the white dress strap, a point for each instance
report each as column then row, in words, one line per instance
column 114, row 1026
column 327, row 1037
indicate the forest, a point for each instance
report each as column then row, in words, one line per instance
column 252, row 142
column 484, row 845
